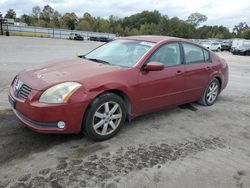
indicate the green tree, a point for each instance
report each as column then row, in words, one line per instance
column 102, row 25
column 1, row 15
column 180, row 28
column 237, row 30
column 196, row 19
column 119, row 30
column 145, row 17
column 87, row 16
column 26, row 19
column 47, row 14
column 164, row 25
column 246, row 33
column 10, row 14
column 41, row 23
column 149, row 29
column 86, row 23
column 69, row 20
column 220, row 32
column 145, row 22
column 133, row 31
column 56, row 20
column 83, row 25
column 36, row 11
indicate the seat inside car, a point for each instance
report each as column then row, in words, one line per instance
column 194, row 56
column 169, row 57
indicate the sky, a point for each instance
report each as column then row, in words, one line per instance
column 219, row 12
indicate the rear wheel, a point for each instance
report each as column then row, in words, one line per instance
column 211, row 93
column 105, row 117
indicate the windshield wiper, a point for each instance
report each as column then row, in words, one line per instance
column 98, row 60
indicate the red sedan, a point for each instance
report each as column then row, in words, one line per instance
column 119, row 80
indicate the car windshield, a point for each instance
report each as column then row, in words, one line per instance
column 120, row 52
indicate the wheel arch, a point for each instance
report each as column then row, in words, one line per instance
column 220, row 81
column 125, row 98
column 219, row 76
column 118, row 92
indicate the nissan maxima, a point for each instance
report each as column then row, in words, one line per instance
column 118, row 81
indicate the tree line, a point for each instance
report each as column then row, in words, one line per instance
column 145, row 22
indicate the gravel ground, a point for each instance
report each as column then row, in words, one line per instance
column 187, row 146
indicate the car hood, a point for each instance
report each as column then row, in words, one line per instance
column 77, row 70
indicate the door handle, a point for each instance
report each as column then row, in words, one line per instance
column 179, row 72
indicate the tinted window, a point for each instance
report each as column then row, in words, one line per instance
column 168, row 54
column 206, row 55
column 193, row 54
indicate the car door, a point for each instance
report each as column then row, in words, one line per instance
column 163, row 88
column 197, row 69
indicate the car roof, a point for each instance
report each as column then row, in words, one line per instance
column 152, row 38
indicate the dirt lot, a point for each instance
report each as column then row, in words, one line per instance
column 189, row 146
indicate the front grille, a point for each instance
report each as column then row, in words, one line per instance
column 24, row 91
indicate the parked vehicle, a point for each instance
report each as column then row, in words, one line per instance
column 240, row 47
column 119, row 80
column 214, row 46
column 100, row 39
column 75, row 36
column 226, row 45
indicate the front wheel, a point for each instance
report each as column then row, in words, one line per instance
column 105, row 117
column 211, row 93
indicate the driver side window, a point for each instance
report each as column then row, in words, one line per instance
column 168, row 54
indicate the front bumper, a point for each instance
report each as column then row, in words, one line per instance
column 43, row 118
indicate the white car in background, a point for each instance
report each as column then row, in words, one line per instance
column 241, row 47
column 214, row 46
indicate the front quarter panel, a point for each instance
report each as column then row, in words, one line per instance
column 124, row 80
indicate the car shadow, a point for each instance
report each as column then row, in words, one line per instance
column 17, row 141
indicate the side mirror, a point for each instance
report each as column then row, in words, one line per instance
column 154, row 66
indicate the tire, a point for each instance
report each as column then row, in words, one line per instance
column 105, row 117
column 211, row 93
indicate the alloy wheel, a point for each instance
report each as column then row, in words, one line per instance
column 212, row 93
column 107, row 118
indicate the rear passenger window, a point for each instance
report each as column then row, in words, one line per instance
column 206, row 55
column 193, row 54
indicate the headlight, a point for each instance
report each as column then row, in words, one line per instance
column 59, row 93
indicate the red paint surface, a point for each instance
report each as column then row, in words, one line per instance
column 146, row 91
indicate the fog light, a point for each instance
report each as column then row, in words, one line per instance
column 61, row 124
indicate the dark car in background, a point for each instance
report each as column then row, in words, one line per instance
column 75, row 36
column 226, row 45
column 100, row 39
